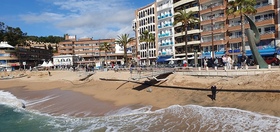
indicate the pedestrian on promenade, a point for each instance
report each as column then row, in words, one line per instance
column 243, row 61
column 214, row 91
column 205, row 62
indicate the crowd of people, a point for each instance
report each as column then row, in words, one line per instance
column 226, row 61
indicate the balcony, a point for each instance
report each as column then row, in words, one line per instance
column 265, row 8
column 178, row 44
column 205, row 33
column 182, row 2
column 259, row 23
column 164, row 26
column 218, row 6
column 165, row 16
column 205, row 22
column 193, row 31
column 65, row 47
column 166, row 44
column 216, row 30
column 203, row 1
column 164, row 35
column 217, row 41
column 268, row 35
column 236, row 27
column 219, row 30
column 265, row 21
column 164, row 7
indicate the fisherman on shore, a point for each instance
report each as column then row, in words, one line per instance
column 214, row 91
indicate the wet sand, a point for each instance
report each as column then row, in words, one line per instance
column 63, row 102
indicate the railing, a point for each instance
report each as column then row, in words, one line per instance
column 164, row 16
column 262, row 5
column 213, row 5
column 263, row 19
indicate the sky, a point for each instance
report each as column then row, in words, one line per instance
column 97, row 19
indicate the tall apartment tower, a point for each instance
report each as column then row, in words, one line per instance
column 222, row 34
column 193, row 40
column 146, row 20
column 165, row 30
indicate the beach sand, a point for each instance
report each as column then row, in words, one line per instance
column 79, row 97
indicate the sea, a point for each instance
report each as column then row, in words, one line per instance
column 175, row 118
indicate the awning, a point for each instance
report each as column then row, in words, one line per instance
column 263, row 52
column 163, row 58
column 206, row 56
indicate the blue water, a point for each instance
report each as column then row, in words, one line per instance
column 13, row 118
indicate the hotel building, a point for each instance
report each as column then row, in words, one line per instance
column 222, row 34
column 88, row 50
column 146, row 20
column 216, row 32
column 165, row 30
column 193, row 40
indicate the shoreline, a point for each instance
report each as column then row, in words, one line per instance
column 120, row 94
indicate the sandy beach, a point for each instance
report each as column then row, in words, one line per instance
column 110, row 95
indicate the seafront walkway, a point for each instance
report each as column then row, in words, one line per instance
column 221, row 72
column 203, row 72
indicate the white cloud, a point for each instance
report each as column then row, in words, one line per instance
column 91, row 18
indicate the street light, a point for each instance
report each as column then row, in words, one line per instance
column 195, row 58
column 212, row 27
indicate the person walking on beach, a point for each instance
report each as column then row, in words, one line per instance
column 214, row 91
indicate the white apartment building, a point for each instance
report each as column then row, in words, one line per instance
column 165, row 30
column 146, row 20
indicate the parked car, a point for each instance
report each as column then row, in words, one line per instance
column 272, row 61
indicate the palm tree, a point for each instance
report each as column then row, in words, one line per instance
column 105, row 47
column 239, row 8
column 186, row 19
column 149, row 39
column 123, row 40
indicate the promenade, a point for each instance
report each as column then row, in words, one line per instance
column 221, row 72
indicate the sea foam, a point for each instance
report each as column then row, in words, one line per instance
column 9, row 99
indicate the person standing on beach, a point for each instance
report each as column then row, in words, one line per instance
column 214, row 91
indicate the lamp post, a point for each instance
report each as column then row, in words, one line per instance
column 212, row 28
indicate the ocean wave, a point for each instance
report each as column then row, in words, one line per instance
column 6, row 98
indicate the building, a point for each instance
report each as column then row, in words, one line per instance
column 22, row 56
column 41, row 45
column 166, row 48
column 8, row 56
column 65, row 60
column 193, row 40
column 146, row 20
column 88, row 50
column 221, row 34
column 29, row 56
column 216, row 35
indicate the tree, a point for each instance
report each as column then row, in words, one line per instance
column 123, row 40
column 50, row 47
column 186, row 19
column 148, row 38
column 105, row 47
column 239, row 8
column 14, row 36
